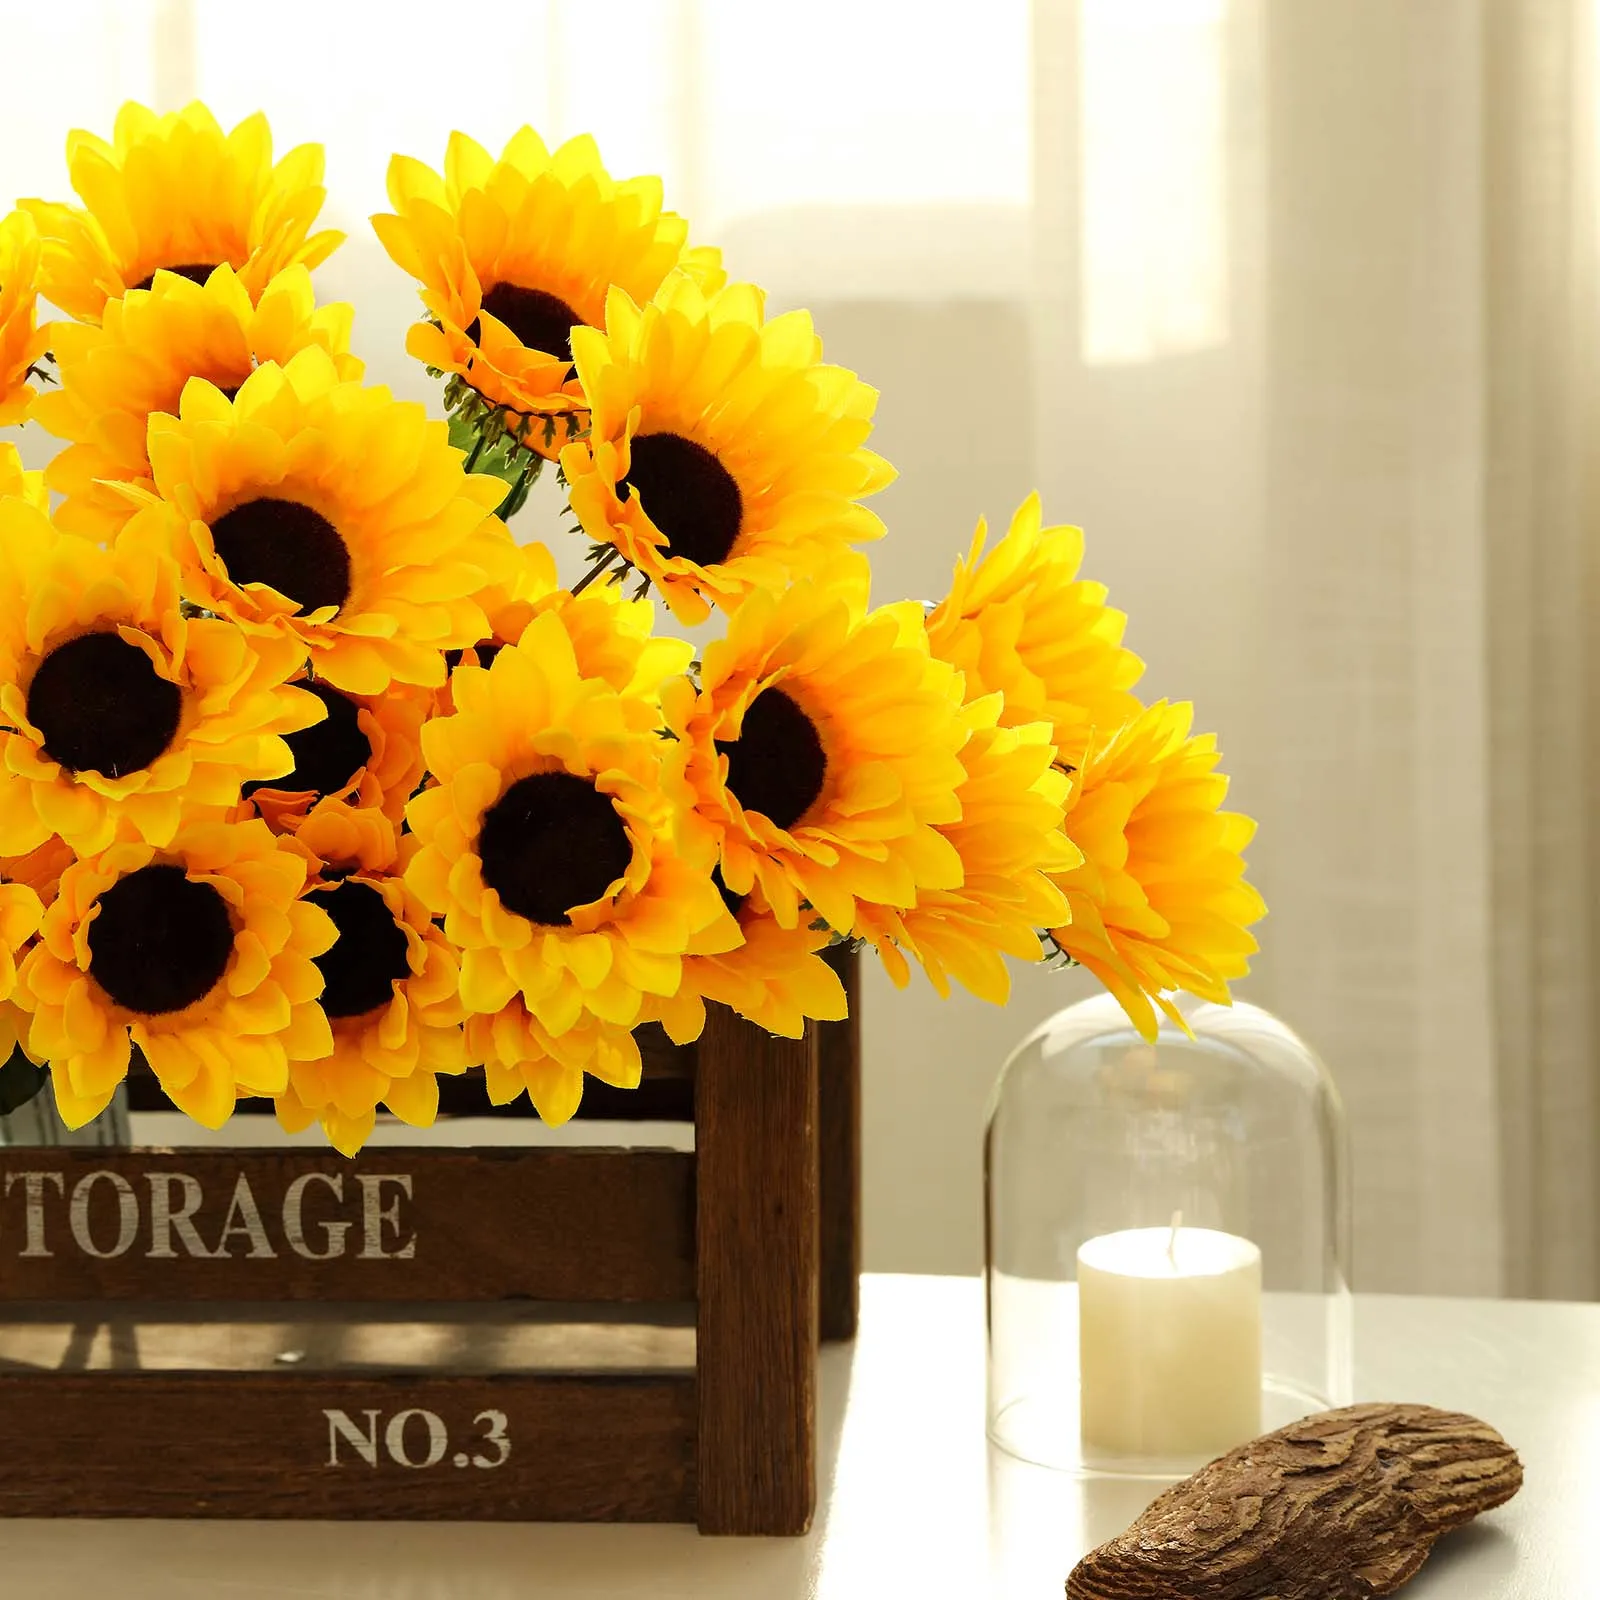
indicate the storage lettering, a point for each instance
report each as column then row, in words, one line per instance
column 167, row 1215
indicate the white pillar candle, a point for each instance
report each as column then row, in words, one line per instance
column 1169, row 1341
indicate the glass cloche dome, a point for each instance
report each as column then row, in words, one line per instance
column 1167, row 1239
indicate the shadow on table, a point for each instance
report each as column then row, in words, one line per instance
column 1484, row 1549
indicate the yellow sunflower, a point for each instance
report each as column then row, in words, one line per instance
column 723, row 456
column 343, row 832
column 176, row 192
column 41, row 869
column 1020, row 622
column 22, row 342
column 28, row 884
column 20, row 913
column 1009, row 839
column 152, row 341
column 823, row 748
column 203, row 955
column 520, row 1055
column 13, row 1031
column 312, row 509
column 366, row 754
column 1159, row 902
column 613, row 637
column 391, row 995
column 117, row 711
column 776, row 977
column 513, row 254
column 17, row 483
column 549, row 844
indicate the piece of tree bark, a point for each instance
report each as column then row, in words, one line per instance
column 1341, row 1506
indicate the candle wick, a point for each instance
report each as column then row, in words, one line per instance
column 1172, row 1239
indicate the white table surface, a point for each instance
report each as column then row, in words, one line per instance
column 915, row 1503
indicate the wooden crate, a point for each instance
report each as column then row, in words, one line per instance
column 536, row 1334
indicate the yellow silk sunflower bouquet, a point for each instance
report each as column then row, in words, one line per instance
column 319, row 782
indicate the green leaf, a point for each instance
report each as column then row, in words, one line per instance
column 20, row 1081
column 508, row 465
column 463, row 435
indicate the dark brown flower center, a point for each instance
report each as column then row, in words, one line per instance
column 777, row 764
column 194, row 271
column 689, row 495
column 552, row 842
column 102, row 707
column 328, row 754
column 160, row 941
column 287, row 546
column 486, row 650
column 539, row 320
column 368, row 958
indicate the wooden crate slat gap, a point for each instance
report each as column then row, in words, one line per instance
column 285, row 1339
column 839, row 1155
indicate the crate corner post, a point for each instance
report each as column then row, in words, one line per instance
column 758, row 1278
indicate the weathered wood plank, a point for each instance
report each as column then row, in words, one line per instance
column 395, row 1224
column 839, row 1142
column 321, row 1445
column 756, row 1144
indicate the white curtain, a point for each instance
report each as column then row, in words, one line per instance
column 1544, row 664
column 1290, row 305
column 1344, row 470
